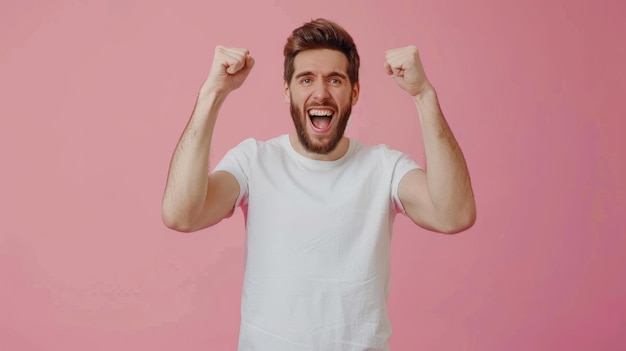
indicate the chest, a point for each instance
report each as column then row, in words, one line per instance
column 358, row 185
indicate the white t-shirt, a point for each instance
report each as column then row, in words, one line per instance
column 318, row 244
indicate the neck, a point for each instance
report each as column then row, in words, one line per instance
column 334, row 155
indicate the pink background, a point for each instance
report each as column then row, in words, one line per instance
column 94, row 95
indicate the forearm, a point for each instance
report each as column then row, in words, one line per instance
column 448, row 179
column 186, row 188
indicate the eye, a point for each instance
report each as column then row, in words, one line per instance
column 306, row 81
column 334, row 81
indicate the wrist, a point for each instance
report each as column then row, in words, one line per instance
column 208, row 104
column 426, row 93
column 211, row 96
column 212, row 93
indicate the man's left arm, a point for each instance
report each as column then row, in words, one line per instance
column 441, row 198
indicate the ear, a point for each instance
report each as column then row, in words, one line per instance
column 355, row 93
column 287, row 93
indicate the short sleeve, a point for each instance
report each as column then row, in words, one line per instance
column 401, row 164
column 237, row 162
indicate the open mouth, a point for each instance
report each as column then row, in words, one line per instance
column 321, row 118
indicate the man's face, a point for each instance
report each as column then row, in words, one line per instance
column 321, row 98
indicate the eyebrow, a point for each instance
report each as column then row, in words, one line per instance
column 331, row 74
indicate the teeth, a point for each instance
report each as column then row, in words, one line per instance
column 320, row 112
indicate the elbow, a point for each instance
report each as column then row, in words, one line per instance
column 187, row 222
column 460, row 222
column 458, row 227
column 179, row 227
column 176, row 225
column 177, row 222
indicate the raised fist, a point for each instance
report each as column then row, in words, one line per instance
column 405, row 66
column 229, row 70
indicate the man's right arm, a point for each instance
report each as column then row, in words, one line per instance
column 194, row 199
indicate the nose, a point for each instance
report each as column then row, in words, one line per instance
column 320, row 92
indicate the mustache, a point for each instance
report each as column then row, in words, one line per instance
column 324, row 103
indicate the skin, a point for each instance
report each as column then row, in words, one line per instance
column 193, row 199
column 320, row 81
column 440, row 199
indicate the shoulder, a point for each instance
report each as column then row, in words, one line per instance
column 251, row 150
column 384, row 159
column 273, row 146
column 381, row 151
column 253, row 144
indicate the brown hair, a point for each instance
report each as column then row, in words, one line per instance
column 321, row 34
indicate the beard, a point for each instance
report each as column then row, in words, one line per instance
column 336, row 134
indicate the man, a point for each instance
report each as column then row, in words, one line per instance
column 319, row 207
